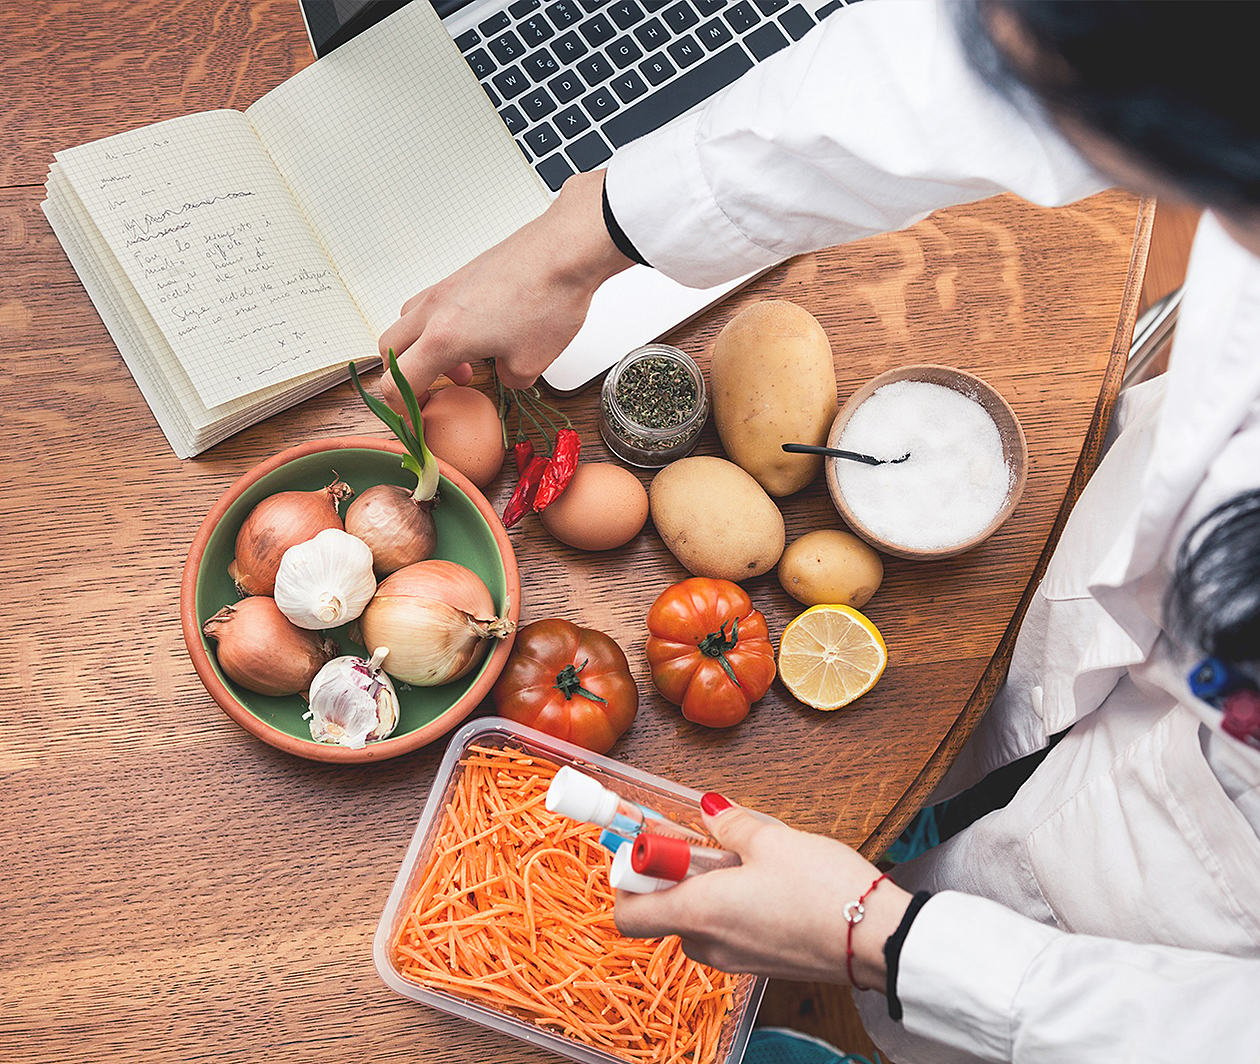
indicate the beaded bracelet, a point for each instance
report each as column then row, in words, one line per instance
column 853, row 913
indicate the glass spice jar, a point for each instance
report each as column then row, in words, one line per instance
column 653, row 405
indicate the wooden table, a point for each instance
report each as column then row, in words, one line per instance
column 174, row 889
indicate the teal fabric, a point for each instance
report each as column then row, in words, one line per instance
column 921, row 834
column 775, row 1045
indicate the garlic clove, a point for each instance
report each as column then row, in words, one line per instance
column 353, row 702
column 326, row 581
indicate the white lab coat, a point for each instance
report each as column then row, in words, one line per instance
column 1112, row 910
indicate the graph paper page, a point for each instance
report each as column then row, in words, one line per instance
column 394, row 152
column 206, row 232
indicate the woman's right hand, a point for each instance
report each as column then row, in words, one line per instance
column 519, row 303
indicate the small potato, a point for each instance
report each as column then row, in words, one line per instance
column 716, row 519
column 603, row 507
column 461, row 426
column 830, row 566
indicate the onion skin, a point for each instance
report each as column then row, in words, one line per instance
column 260, row 649
column 277, row 523
column 398, row 529
column 436, row 617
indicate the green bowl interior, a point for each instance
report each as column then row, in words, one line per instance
column 462, row 536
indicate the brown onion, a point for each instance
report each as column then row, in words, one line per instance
column 435, row 617
column 262, row 651
column 278, row 523
column 398, row 528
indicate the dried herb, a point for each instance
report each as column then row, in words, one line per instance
column 656, row 392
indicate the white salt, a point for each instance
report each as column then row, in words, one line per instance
column 952, row 485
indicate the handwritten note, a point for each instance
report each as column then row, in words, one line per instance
column 206, row 231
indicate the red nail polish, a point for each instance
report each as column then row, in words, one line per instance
column 713, row 803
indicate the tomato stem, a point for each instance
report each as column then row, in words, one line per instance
column 716, row 644
column 569, row 683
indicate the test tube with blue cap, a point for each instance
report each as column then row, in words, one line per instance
column 579, row 797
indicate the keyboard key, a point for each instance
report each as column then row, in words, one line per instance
column 540, row 65
column 554, row 171
column 827, row 9
column 600, row 104
column 466, row 40
column 656, row 68
column 797, row 21
column 494, row 24
column 523, row 7
column 595, row 69
column 707, row 7
column 770, row 7
column 651, row 34
column 535, row 30
column 566, row 86
column 628, row 86
column 741, row 17
column 589, row 152
column 765, row 40
column 506, row 47
column 591, row 6
column 572, row 121
column 683, row 93
column 626, row 13
column 513, row 119
column 494, row 100
column 685, row 51
column 565, row 13
column 482, row 65
column 681, row 17
column 537, row 104
column 623, row 51
column 713, row 34
column 569, row 48
column 510, row 82
column 653, row 5
column 597, row 30
column 542, row 139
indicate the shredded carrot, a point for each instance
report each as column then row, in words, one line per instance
column 514, row 912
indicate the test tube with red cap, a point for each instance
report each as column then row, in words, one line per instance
column 663, row 857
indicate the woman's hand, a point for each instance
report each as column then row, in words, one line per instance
column 781, row 913
column 519, row 303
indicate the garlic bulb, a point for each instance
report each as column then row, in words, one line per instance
column 353, row 702
column 325, row 581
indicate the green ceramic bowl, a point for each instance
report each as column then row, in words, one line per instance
column 468, row 532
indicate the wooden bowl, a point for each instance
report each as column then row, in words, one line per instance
column 468, row 532
column 1014, row 450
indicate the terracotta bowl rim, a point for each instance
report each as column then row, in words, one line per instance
column 913, row 372
column 309, row 748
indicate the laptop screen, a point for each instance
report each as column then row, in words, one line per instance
column 333, row 22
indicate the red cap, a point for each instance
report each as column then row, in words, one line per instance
column 661, row 856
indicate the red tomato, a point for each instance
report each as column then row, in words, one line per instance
column 570, row 682
column 710, row 651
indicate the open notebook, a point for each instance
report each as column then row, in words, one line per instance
column 240, row 260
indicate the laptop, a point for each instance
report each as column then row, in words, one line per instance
column 573, row 81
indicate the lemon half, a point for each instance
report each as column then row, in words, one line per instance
column 830, row 655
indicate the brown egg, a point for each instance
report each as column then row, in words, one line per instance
column 461, row 426
column 603, row 507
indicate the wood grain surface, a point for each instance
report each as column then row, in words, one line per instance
column 176, row 890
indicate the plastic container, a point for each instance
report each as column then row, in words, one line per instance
column 646, row 446
column 678, row 803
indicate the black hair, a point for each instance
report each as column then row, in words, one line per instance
column 1213, row 602
column 1175, row 83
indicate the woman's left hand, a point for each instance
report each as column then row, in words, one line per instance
column 781, row 913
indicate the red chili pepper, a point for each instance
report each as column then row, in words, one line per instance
column 522, row 499
column 560, row 469
column 522, row 451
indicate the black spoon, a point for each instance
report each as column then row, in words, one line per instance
column 835, row 452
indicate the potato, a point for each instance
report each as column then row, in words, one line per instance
column 830, row 566
column 716, row 519
column 773, row 382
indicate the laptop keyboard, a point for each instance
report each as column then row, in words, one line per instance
column 576, row 79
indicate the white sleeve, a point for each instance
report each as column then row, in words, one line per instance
column 978, row 977
column 867, row 124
